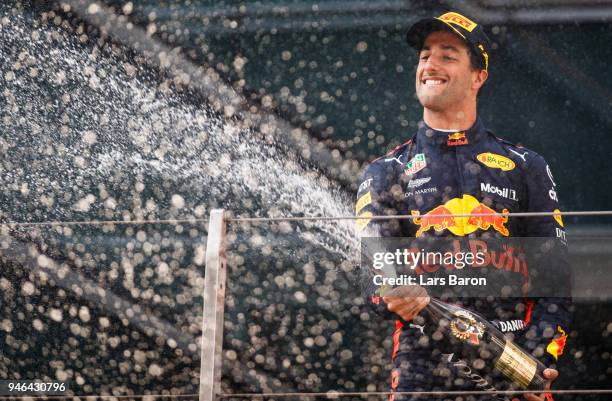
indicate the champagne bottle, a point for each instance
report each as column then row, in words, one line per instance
column 470, row 335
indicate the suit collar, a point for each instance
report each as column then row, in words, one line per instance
column 452, row 139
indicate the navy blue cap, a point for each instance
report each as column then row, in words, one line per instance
column 471, row 32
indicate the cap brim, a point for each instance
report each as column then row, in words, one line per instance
column 418, row 32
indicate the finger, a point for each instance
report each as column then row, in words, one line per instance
column 406, row 310
column 412, row 303
column 392, row 306
column 394, row 292
column 420, row 304
column 389, row 299
column 404, row 314
column 424, row 301
column 408, row 300
column 398, row 304
column 405, row 291
column 550, row 374
column 421, row 292
column 409, row 310
column 394, row 298
column 400, row 300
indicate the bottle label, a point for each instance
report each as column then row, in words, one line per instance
column 516, row 365
column 466, row 328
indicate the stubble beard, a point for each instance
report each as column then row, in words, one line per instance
column 435, row 102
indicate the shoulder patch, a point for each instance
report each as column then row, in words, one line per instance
column 516, row 151
column 363, row 201
column 520, row 152
column 506, row 142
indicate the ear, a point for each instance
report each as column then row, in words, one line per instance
column 480, row 77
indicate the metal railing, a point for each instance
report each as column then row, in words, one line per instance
column 214, row 292
column 214, row 301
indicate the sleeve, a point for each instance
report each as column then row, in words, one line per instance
column 374, row 199
column 549, row 288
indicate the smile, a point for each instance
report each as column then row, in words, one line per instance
column 433, row 81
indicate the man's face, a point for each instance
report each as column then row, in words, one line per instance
column 444, row 76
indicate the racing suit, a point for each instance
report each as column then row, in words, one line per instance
column 466, row 172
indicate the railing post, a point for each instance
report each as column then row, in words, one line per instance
column 214, row 303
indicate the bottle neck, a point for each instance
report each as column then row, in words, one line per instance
column 436, row 309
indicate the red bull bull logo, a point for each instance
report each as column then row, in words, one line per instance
column 486, row 218
column 457, row 139
column 481, row 217
column 439, row 218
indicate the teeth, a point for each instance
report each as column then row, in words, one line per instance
column 433, row 82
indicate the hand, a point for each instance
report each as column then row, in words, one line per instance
column 550, row 375
column 407, row 301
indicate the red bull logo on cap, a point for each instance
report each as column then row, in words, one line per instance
column 441, row 218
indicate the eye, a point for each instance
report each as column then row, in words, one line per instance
column 424, row 57
column 449, row 58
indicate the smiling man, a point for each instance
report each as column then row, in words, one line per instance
column 446, row 81
column 453, row 165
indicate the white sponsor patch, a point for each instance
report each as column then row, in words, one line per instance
column 416, row 326
column 550, row 175
column 421, row 191
column 553, row 194
column 560, row 234
column 418, row 182
column 364, row 185
column 396, row 159
column 511, row 325
column 521, row 155
column 503, row 192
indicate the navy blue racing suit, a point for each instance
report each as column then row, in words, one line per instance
column 466, row 172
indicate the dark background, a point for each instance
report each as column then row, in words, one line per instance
column 548, row 89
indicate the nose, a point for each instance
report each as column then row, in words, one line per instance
column 431, row 63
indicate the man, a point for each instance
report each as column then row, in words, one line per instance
column 454, row 165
